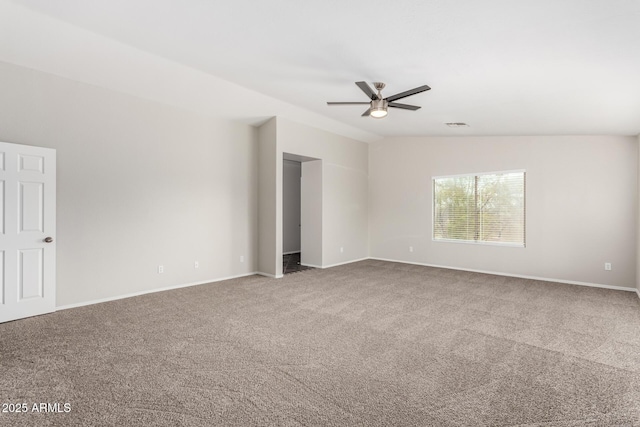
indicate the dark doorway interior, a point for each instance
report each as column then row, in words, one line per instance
column 291, row 263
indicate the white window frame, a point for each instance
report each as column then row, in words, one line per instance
column 479, row 242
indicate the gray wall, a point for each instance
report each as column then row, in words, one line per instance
column 139, row 184
column 291, row 171
column 581, row 204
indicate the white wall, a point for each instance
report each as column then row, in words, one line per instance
column 581, row 204
column 139, row 184
column 291, row 171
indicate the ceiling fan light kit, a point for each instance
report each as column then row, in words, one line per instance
column 378, row 108
column 378, row 105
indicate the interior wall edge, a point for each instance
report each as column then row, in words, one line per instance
column 637, row 214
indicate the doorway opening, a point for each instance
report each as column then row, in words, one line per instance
column 301, row 213
column 291, row 211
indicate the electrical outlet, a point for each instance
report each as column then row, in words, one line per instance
column 241, row 258
column 410, row 248
column 160, row 269
column 607, row 266
column 341, row 249
column 196, row 264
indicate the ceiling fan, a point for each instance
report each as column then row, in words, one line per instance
column 378, row 105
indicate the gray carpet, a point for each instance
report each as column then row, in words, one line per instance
column 367, row 344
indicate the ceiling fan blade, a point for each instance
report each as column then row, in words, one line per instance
column 348, row 103
column 367, row 90
column 404, row 106
column 366, row 113
column 407, row 93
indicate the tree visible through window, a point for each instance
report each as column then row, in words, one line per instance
column 486, row 208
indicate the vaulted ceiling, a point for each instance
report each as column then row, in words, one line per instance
column 503, row 67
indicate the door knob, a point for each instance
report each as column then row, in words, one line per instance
column 48, row 239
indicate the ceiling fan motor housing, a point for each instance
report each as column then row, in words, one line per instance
column 379, row 108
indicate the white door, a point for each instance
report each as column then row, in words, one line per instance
column 27, row 231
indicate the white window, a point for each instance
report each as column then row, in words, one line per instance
column 480, row 208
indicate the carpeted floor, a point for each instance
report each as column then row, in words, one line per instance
column 367, row 344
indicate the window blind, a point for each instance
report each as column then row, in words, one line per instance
column 480, row 208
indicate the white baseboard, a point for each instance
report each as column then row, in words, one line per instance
column 150, row 291
column 273, row 276
column 291, row 252
column 346, row 262
column 311, row 265
column 334, row 265
column 496, row 273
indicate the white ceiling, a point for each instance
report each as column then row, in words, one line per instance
column 504, row 67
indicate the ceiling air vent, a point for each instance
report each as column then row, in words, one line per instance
column 457, row 125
